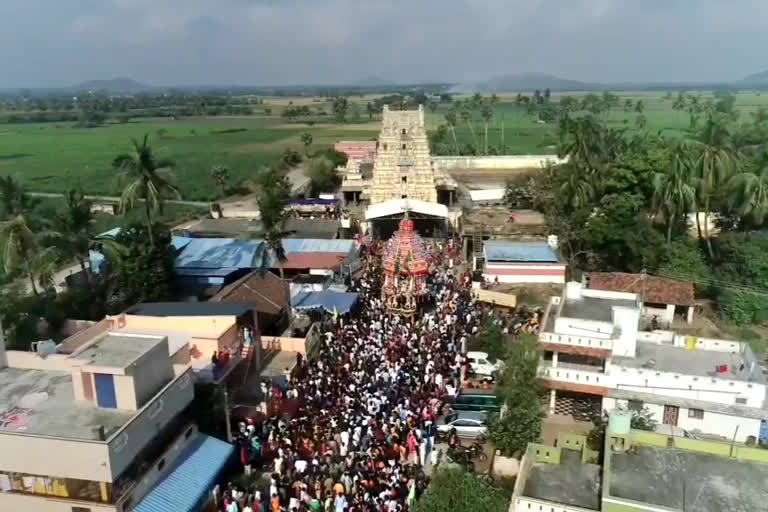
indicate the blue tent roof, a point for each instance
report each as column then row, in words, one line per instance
column 185, row 486
column 218, row 253
column 327, row 300
column 501, row 250
column 292, row 245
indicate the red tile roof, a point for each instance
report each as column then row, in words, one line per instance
column 654, row 289
column 268, row 293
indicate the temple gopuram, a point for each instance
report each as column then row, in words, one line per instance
column 406, row 263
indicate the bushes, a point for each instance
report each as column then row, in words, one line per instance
column 455, row 489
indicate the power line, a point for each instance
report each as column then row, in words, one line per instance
column 710, row 281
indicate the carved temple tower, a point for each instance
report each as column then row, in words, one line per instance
column 403, row 168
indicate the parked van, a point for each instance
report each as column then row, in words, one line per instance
column 481, row 366
column 476, row 400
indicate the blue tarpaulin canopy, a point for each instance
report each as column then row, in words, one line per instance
column 186, row 486
column 327, row 300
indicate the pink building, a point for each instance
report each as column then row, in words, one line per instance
column 357, row 150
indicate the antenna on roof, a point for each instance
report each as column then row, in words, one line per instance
column 643, row 275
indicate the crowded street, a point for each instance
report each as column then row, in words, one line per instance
column 364, row 429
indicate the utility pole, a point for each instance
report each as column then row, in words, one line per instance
column 226, row 413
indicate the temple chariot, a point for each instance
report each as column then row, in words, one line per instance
column 406, row 264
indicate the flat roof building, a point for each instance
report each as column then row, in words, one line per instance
column 641, row 472
column 597, row 357
column 522, row 262
column 92, row 423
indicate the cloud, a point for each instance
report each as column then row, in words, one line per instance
column 325, row 41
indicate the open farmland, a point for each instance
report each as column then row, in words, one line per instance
column 52, row 157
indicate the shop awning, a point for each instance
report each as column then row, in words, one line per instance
column 327, row 300
column 185, row 487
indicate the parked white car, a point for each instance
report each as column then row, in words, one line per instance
column 470, row 424
column 481, row 366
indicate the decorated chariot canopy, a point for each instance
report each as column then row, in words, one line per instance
column 405, row 253
column 406, row 263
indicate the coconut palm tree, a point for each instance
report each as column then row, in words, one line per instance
column 450, row 119
column 674, row 191
column 275, row 190
column 714, row 166
column 306, row 139
column 487, row 113
column 220, row 176
column 21, row 249
column 466, row 115
column 71, row 231
column 748, row 191
column 579, row 186
column 13, row 198
column 147, row 179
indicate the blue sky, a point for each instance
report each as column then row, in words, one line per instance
column 259, row 42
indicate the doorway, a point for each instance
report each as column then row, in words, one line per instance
column 671, row 413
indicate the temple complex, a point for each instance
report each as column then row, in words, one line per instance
column 402, row 165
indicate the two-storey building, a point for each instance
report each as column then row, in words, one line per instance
column 596, row 358
column 96, row 427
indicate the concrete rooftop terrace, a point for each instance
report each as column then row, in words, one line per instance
column 684, row 480
column 672, row 359
column 43, row 403
column 570, row 482
column 118, row 350
column 593, row 308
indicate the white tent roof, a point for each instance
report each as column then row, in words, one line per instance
column 397, row 206
column 491, row 194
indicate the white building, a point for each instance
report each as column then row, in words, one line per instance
column 522, row 262
column 595, row 359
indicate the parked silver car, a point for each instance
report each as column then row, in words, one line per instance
column 469, row 424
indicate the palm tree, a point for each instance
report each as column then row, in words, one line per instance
column 275, row 190
column 220, row 176
column 579, row 186
column 450, row 119
column 715, row 164
column 487, row 113
column 20, row 247
column 13, row 198
column 71, row 230
column 466, row 115
column 148, row 179
column 306, row 139
column 748, row 191
column 674, row 191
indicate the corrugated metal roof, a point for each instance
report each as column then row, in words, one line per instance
column 327, row 300
column 219, row 253
column 318, row 260
column 207, row 272
column 192, row 477
column 502, row 250
column 292, row 245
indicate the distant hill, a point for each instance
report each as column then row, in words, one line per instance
column 528, row 82
column 116, row 85
column 757, row 78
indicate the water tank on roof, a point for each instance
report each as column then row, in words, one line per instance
column 573, row 290
column 552, row 241
column 619, row 422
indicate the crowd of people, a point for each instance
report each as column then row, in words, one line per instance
column 365, row 428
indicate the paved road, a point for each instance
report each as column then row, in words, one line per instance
column 203, row 204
